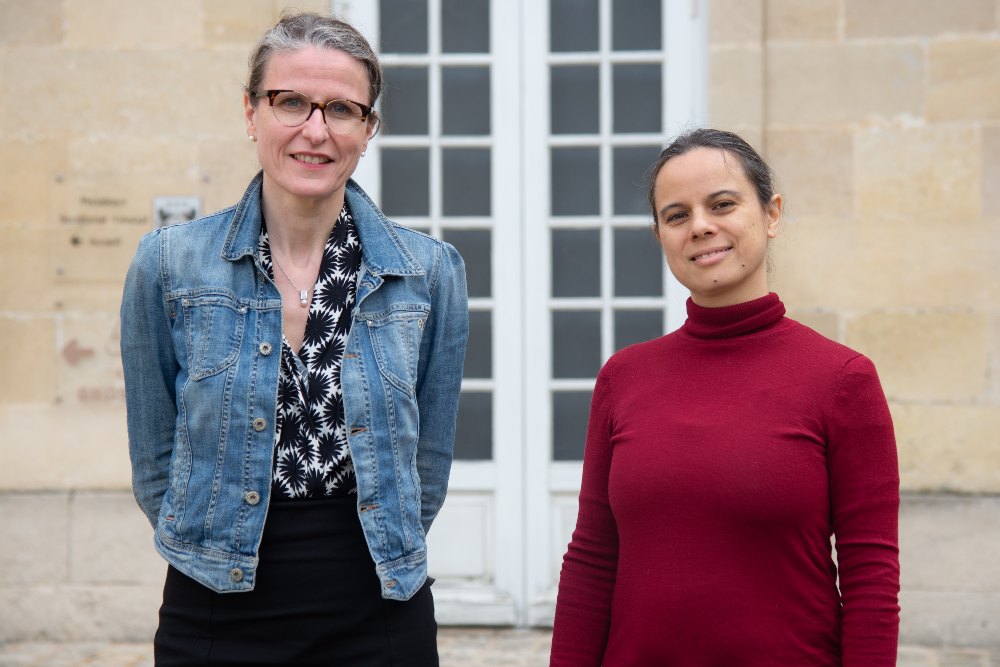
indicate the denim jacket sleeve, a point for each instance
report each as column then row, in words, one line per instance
column 439, row 380
column 151, row 369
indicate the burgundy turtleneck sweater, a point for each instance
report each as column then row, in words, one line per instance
column 720, row 459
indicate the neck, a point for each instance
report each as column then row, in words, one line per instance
column 298, row 227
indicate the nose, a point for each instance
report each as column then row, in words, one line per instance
column 702, row 224
column 315, row 129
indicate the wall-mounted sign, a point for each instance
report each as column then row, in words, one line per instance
column 171, row 210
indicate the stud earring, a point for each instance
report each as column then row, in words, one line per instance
column 363, row 153
column 252, row 138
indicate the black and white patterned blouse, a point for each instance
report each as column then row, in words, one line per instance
column 310, row 440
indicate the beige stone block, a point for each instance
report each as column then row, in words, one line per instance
column 85, row 297
column 824, row 323
column 27, row 355
column 112, row 541
column 919, row 173
column 24, row 272
column 926, row 356
column 131, row 154
column 90, row 363
column 736, row 21
column 184, row 94
column 843, row 83
column 964, row 80
column 35, row 544
column 130, row 24
column 237, row 21
column 35, row 22
column 318, row 6
column 814, row 170
column 81, row 613
column 991, row 171
column 947, row 447
column 949, row 542
column 227, row 167
column 64, row 447
column 736, row 91
column 801, row 20
column 868, row 264
column 898, row 18
column 950, row 618
column 29, row 178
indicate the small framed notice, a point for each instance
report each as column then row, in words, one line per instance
column 171, row 210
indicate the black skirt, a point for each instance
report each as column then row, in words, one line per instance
column 317, row 601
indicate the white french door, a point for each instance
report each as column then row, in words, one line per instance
column 520, row 131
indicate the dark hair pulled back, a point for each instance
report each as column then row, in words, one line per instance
column 754, row 167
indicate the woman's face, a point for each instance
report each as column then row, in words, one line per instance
column 310, row 161
column 713, row 229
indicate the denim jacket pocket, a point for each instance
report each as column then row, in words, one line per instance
column 213, row 332
column 396, row 342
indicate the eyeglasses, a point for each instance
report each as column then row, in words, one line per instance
column 341, row 116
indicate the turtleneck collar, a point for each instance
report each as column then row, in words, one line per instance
column 736, row 320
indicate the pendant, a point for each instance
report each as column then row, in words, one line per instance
column 303, row 295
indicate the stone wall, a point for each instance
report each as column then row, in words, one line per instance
column 882, row 120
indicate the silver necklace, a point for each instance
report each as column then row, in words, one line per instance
column 303, row 294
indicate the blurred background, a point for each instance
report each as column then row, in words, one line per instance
column 519, row 131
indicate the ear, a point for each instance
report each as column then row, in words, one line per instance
column 248, row 114
column 773, row 213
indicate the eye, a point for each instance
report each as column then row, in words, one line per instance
column 291, row 103
column 674, row 218
column 723, row 205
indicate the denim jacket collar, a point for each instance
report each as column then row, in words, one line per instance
column 382, row 252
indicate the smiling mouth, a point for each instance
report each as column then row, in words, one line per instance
column 710, row 254
column 312, row 159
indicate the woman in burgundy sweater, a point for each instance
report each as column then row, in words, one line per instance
column 721, row 459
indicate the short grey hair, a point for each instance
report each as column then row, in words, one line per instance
column 296, row 30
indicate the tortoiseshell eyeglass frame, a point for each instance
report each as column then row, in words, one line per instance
column 366, row 110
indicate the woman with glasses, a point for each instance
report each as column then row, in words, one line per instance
column 296, row 358
column 721, row 459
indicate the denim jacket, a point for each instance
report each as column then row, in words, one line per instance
column 201, row 346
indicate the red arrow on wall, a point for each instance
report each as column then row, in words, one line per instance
column 73, row 352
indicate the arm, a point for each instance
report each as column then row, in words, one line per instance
column 864, row 499
column 150, row 371
column 439, row 380
column 590, row 567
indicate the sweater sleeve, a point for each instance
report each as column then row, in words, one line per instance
column 864, row 498
column 587, row 581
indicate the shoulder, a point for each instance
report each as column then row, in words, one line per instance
column 819, row 347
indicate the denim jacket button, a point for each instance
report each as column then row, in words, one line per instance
column 259, row 424
column 265, row 348
column 253, row 498
column 236, row 574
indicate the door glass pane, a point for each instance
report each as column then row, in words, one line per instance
column 474, row 247
column 576, row 343
column 474, row 426
column 638, row 263
column 465, row 26
column 573, row 25
column 637, row 326
column 576, row 262
column 465, row 178
column 575, row 96
column 405, row 181
column 403, row 26
column 404, row 102
column 465, row 100
column 478, row 351
column 636, row 25
column 638, row 98
column 576, row 185
column 570, row 414
column 631, row 167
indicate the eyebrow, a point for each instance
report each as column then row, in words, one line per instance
column 720, row 193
